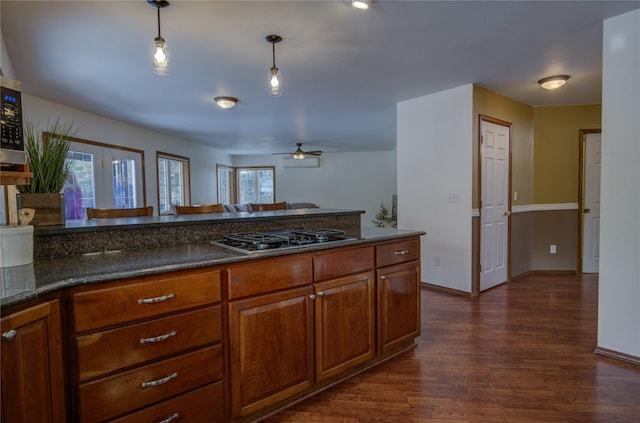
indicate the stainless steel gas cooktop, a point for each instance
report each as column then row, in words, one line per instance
column 251, row 242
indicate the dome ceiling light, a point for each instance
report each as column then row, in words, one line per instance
column 361, row 4
column 226, row 102
column 553, row 82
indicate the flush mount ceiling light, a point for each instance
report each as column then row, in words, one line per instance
column 361, row 4
column 160, row 57
column 553, row 82
column 275, row 76
column 226, row 102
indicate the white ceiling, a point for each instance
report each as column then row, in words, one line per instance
column 343, row 70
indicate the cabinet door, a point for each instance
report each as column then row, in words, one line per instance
column 398, row 305
column 32, row 375
column 271, row 342
column 344, row 324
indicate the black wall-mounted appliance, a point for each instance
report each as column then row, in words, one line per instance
column 12, row 149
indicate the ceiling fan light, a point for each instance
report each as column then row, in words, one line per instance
column 553, row 82
column 299, row 155
column 226, row 102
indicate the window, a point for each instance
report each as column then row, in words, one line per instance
column 92, row 183
column 226, row 192
column 173, row 182
column 256, row 184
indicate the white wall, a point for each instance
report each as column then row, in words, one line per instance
column 357, row 181
column 619, row 291
column 434, row 153
column 97, row 128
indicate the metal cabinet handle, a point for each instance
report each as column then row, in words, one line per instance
column 9, row 335
column 320, row 294
column 159, row 381
column 170, row 418
column 158, row 338
column 312, row 297
column 155, row 299
column 401, row 252
column 383, row 277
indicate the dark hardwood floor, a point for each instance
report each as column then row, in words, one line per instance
column 521, row 352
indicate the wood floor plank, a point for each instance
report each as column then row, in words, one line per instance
column 519, row 353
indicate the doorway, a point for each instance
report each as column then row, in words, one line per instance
column 495, row 201
column 589, row 201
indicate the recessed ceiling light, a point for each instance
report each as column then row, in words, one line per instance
column 226, row 102
column 553, row 82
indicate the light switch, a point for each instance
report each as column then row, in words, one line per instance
column 552, row 249
column 515, row 195
column 454, row 197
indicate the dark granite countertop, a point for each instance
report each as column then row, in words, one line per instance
column 44, row 276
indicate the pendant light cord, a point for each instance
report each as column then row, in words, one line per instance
column 273, row 46
column 159, row 36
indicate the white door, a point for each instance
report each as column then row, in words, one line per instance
column 494, row 151
column 591, row 204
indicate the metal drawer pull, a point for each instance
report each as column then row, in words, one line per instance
column 383, row 277
column 155, row 299
column 401, row 252
column 312, row 297
column 158, row 338
column 159, row 381
column 170, row 418
column 9, row 335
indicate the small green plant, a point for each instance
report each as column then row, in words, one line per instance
column 47, row 157
column 384, row 218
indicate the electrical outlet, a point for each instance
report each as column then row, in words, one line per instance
column 436, row 260
column 552, row 249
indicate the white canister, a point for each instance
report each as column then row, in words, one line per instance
column 16, row 245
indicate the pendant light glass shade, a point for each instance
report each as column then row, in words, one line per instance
column 275, row 83
column 160, row 58
column 275, row 76
column 360, row 4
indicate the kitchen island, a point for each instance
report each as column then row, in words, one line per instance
column 204, row 333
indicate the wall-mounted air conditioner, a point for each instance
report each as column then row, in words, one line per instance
column 307, row 162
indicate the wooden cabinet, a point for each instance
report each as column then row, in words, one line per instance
column 344, row 323
column 271, row 334
column 149, row 342
column 32, row 366
column 398, row 295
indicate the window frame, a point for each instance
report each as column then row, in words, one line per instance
column 237, row 170
column 186, row 178
column 105, row 147
column 232, row 183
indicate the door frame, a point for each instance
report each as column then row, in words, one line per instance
column 581, row 185
column 475, row 288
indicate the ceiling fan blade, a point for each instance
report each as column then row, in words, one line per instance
column 314, row 153
column 291, row 152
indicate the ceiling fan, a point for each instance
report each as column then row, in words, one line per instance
column 300, row 154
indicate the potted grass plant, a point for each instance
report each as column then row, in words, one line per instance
column 47, row 152
column 384, row 218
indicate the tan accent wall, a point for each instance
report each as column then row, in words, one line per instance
column 556, row 150
column 558, row 227
column 521, row 242
column 520, row 115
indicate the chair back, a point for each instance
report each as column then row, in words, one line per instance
column 211, row 208
column 269, row 206
column 133, row 212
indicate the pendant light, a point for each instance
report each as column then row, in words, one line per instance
column 275, row 77
column 160, row 57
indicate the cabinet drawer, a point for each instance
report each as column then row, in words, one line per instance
column 398, row 252
column 135, row 299
column 103, row 352
column 204, row 405
column 268, row 276
column 116, row 395
column 342, row 262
